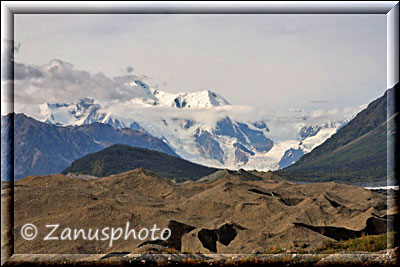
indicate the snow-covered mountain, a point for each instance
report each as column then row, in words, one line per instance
column 84, row 111
column 310, row 137
column 192, row 125
column 202, row 99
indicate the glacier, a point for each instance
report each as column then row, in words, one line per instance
column 199, row 127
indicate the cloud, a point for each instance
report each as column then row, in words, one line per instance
column 59, row 81
column 318, row 101
column 7, row 73
column 22, row 72
column 7, row 58
column 269, row 61
column 130, row 69
column 136, row 111
column 326, row 113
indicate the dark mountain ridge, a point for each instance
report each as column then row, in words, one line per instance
column 107, row 135
column 117, row 159
column 40, row 148
column 357, row 152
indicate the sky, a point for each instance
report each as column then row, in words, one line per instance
column 271, row 62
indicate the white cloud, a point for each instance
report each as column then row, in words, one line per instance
column 59, row 82
column 136, row 111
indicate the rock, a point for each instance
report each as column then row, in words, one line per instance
column 224, row 234
column 178, row 229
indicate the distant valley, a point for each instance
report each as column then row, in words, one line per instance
column 319, row 150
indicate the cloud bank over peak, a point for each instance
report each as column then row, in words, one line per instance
column 58, row 81
column 131, row 96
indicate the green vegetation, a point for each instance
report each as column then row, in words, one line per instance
column 357, row 153
column 367, row 243
column 364, row 160
column 121, row 158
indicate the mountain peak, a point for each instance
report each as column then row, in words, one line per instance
column 200, row 99
column 87, row 100
column 82, row 111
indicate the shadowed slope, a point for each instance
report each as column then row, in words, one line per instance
column 357, row 153
column 121, row 158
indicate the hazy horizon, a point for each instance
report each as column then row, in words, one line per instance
column 270, row 62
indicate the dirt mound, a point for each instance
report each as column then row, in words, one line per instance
column 243, row 175
column 229, row 212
